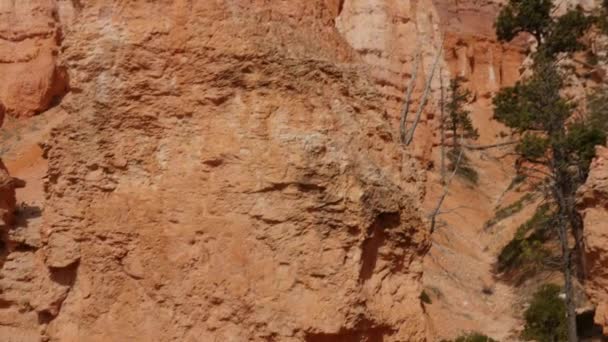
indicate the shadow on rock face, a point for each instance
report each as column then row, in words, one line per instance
column 24, row 213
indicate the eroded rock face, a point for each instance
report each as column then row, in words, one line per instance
column 230, row 170
column 593, row 205
column 7, row 197
column 227, row 173
column 30, row 34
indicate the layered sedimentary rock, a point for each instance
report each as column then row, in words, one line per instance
column 227, row 172
column 30, row 35
column 593, row 205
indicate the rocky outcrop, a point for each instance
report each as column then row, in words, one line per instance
column 8, row 200
column 226, row 172
column 593, row 205
column 30, row 35
column 230, row 170
column 472, row 50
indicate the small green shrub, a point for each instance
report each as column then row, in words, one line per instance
column 602, row 17
column 472, row 337
column 435, row 291
column 511, row 209
column 546, row 316
column 591, row 58
column 518, row 179
column 532, row 147
column 527, row 251
column 465, row 170
column 425, row 298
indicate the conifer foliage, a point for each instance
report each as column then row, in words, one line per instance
column 556, row 144
column 458, row 122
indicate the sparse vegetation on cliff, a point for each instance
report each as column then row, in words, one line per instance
column 526, row 254
column 535, row 17
column 556, row 145
column 511, row 209
column 458, row 122
column 602, row 17
column 425, row 298
column 545, row 317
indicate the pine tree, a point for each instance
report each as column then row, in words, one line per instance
column 545, row 315
column 602, row 18
column 458, row 122
column 554, row 36
column 530, row 16
column 561, row 147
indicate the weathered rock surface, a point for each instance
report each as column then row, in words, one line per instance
column 230, row 171
column 234, row 167
column 458, row 271
column 30, row 35
column 593, row 205
column 227, row 173
column 8, row 200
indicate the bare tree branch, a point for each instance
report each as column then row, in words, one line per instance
column 446, row 188
column 485, row 147
column 536, row 170
column 442, row 125
column 408, row 98
column 447, row 211
column 425, row 95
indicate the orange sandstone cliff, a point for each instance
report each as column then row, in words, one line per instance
column 225, row 172
column 232, row 171
column 30, row 36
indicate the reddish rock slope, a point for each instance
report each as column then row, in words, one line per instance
column 30, row 35
column 230, row 170
column 227, row 173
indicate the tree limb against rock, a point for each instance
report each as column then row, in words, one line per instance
column 408, row 98
column 409, row 136
column 442, row 125
column 485, row 147
column 446, row 188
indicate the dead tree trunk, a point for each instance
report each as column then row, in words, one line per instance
column 446, row 188
column 485, row 147
column 410, row 135
column 568, row 282
column 561, row 188
column 408, row 99
column 442, row 125
column 576, row 222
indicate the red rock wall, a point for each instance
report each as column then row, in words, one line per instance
column 233, row 168
column 226, row 172
column 30, row 36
